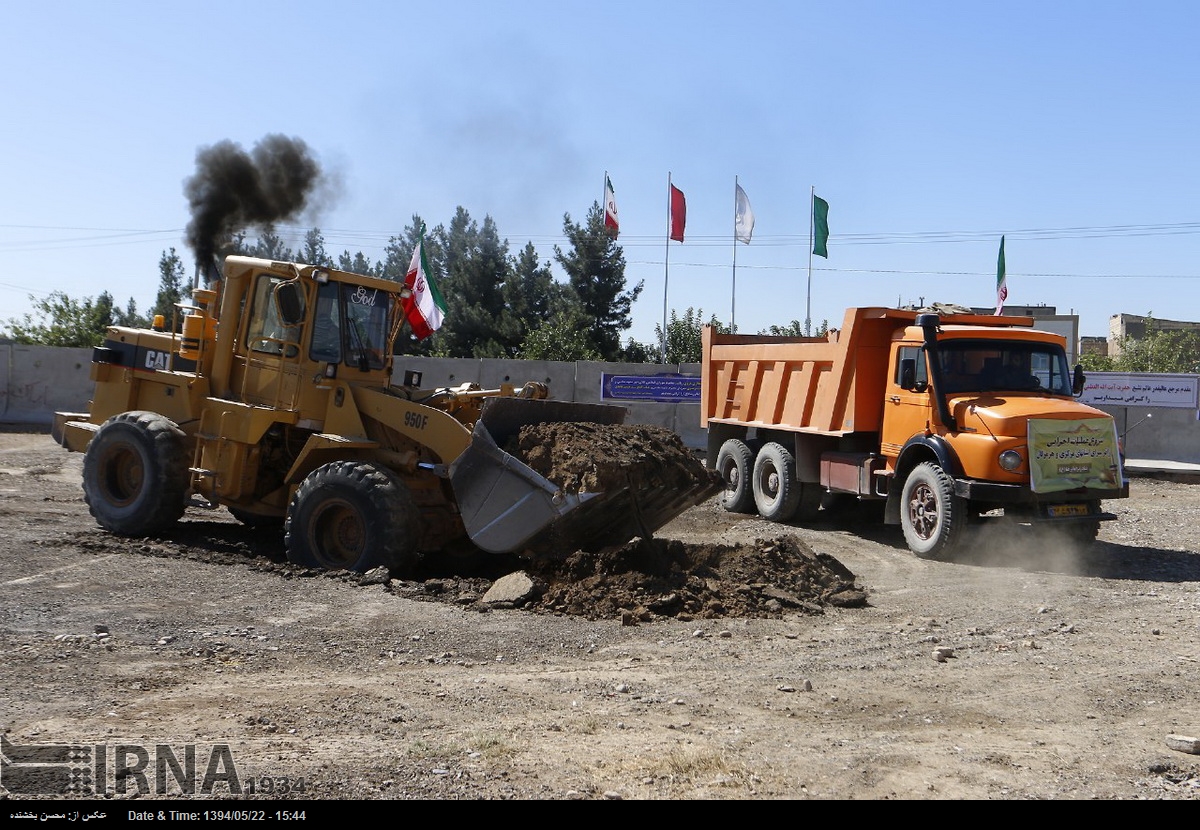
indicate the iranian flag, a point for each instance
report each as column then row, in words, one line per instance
column 424, row 306
column 1001, row 280
column 610, row 208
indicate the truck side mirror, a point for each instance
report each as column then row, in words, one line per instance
column 289, row 303
column 1078, row 381
column 908, row 374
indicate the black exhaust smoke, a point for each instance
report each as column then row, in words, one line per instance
column 233, row 190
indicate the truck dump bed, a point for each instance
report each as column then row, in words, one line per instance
column 827, row 385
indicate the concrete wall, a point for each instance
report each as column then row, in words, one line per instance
column 36, row 381
column 1169, row 435
column 567, row 381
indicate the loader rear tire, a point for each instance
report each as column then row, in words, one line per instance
column 135, row 477
column 777, row 493
column 735, row 463
column 354, row 516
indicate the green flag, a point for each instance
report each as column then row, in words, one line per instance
column 820, row 226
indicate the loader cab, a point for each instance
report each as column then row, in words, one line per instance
column 276, row 316
column 300, row 326
column 351, row 326
column 269, row 366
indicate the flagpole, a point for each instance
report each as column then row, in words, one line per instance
column 812, row 204
column 666, row 271
column 733, row 291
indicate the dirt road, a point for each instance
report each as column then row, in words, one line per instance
column 1028, row 671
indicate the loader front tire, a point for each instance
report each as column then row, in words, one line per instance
column 735, row 463
column 135, row 477
column 777, row 493
column 933, row 518
column 354, row 516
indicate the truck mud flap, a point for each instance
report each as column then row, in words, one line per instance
column 508, row 507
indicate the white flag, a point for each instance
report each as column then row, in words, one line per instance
column 743, row 216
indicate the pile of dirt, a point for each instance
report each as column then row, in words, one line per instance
column 605, row 575
column 584, row 457
column 631, row 480
column 646, row 579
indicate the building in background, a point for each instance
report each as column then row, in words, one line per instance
column 1093, row 345
column 1121, row 326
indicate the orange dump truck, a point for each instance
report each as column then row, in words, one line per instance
column 948, row 419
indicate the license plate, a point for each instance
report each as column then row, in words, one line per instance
column 1060, row 510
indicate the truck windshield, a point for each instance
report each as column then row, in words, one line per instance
column 989, row 366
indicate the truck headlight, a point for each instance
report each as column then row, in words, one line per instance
column 1010, row 460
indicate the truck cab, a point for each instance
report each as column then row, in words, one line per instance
column 994, row 411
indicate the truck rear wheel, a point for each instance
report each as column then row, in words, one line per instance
column 735, row 463
column 776, row 491
column 933, row 517
column 135, row 474
column 354, row 516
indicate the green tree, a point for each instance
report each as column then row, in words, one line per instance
column 475, row 270
column 116, row 316
column 270, row 246
column 532, row 297
column 359, row 264
column 595, row 267
column 312, row 252
column 559, row 338
column 796, row 329
column 1097, row 363
column 170, row 289
column 683, row 335
column 1159, row 351
column 635, row 352
column 59, row 320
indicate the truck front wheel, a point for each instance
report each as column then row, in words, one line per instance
column 735, row 463
column 776, row 491
column 135, row 474
column 933, row 518
column 354, row 516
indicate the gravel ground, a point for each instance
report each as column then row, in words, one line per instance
column 1025, row 670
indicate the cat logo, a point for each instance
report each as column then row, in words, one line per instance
column 156, row 360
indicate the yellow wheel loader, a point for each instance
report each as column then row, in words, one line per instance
column 275, row 401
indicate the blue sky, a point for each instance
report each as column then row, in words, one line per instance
column 931, row 129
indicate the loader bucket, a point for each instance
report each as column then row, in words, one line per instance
column 507, row 506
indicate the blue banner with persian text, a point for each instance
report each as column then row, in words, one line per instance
column 664, row 388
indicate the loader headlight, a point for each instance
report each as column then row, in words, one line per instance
column 1010, row 460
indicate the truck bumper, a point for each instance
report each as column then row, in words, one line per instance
column 1041, row 506
column 1001, row 494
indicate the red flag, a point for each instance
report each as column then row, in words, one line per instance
column 678, row 213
